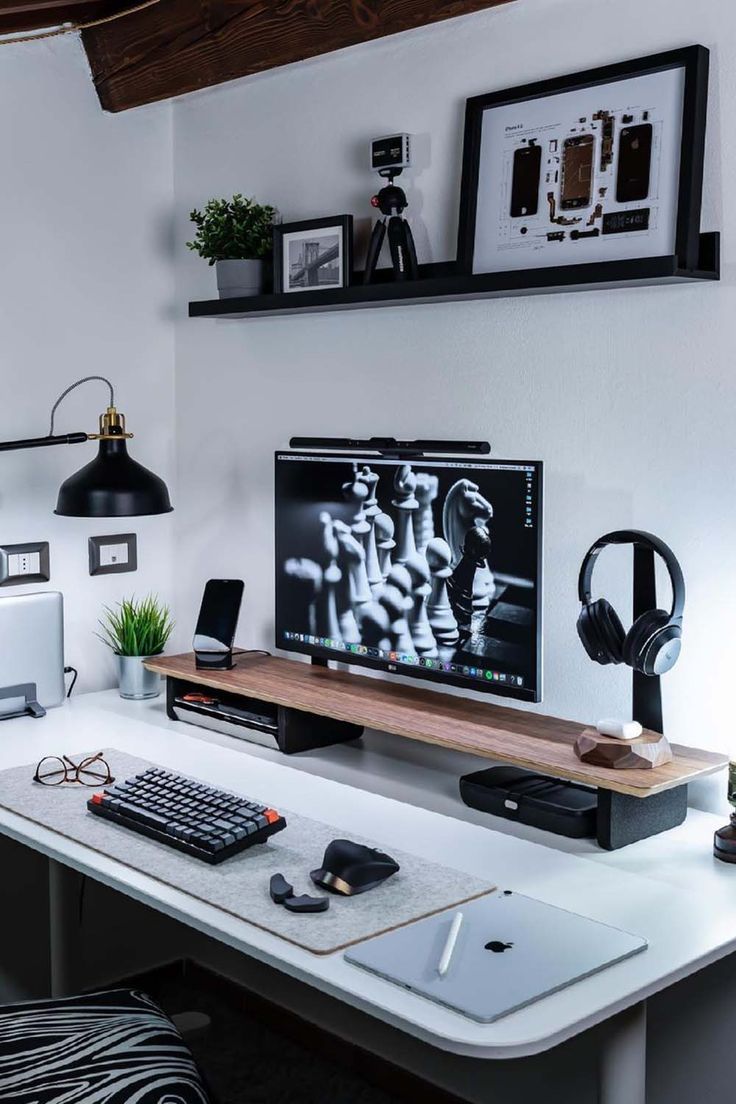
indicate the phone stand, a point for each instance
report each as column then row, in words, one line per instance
column 216, row 624
column 214, row 661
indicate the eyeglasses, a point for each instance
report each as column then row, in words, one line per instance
column 54, row 770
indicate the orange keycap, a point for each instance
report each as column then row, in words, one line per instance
column 271, row 815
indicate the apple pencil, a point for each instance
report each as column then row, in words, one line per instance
column 444, row 963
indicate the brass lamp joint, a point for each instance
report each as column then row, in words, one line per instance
column 112, row 427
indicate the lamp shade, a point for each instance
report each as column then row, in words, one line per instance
column 113, row 485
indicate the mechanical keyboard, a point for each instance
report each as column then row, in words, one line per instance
column 200, row 820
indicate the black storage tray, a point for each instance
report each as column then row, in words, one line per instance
column 293, row 730
column 234, row 708
column 565, row 808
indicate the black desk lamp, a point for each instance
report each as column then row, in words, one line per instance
column 111, row 485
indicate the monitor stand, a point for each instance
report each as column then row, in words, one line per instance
column 317, row 706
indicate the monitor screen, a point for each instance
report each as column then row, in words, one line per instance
column 430, row 568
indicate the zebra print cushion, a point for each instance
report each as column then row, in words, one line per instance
column 116, row 1047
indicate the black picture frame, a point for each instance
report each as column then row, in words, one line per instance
column 282, row 231
column 695, row 62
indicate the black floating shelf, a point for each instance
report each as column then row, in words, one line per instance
column 442, row 284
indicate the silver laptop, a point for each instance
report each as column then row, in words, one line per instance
column 510, row 950
column 32, row 647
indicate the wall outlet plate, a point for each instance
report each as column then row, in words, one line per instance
column 24, row 563
column 114, row 554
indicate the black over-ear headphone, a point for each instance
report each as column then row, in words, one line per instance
column 653, row 642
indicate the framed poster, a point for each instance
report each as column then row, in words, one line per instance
column 314, row 255
column 605, row 165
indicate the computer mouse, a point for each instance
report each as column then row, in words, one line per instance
column 351, row 868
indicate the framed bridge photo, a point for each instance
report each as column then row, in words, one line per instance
column 316, row 255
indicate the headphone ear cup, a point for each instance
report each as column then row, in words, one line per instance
column 601, row 632
column 664, row 651
column 646, row 639
column 587, row 634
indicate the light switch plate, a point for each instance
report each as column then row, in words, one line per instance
column 24, row 563
column 114, row 554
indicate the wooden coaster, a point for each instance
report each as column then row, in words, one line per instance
column 649, row 750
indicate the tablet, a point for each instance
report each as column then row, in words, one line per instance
column 510, row 950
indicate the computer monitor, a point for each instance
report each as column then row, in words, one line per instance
column 430, row 568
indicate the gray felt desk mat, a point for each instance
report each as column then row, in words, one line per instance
column 239, row 885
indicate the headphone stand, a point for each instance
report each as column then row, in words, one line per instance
column 622, row 819
column 646, row 689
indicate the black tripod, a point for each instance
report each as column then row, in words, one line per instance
column 391, row 201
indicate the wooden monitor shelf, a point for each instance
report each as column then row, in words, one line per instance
column 497, row 732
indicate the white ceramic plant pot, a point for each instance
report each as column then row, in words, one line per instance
column 136, row 682
column 239, row 278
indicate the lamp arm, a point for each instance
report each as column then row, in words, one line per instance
column 59, row 438
column 40, row 442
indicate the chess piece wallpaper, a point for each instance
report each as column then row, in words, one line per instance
column 426, row 492
column 420, row 628
column 465, row 506
column 305, row 584
column 391, row 559
column 405, row 503
column 441, row 618
column 326, row 620
column 461, row 584
column 371, row 510
column 385, row 543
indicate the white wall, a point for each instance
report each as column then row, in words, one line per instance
column 85, row 288
column 627, row 396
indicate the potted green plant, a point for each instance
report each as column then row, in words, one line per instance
column 135, row 631
column 236, row 236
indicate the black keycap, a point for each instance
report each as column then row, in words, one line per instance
column 142, row 816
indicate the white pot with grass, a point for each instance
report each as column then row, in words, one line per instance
column 136, row 631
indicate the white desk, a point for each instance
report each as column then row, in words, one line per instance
column 667, row 889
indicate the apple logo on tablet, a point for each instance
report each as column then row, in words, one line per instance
column 498, row 947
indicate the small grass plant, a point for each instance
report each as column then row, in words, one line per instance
column 136, row 627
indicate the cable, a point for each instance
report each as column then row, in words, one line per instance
column 72, row 684
column 70, row 388
column 250, row 651
column 70, row 28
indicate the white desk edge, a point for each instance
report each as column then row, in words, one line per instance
column 686, row 930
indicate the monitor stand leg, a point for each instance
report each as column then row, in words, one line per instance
column 317, row 661
column 623, row 1061
column 623, row 819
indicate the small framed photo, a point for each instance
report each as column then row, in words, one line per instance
column 600, row 166
column 316, row 255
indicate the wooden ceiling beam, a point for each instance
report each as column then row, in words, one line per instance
column 18, row 16
column 33, row 7
column 179, row 46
